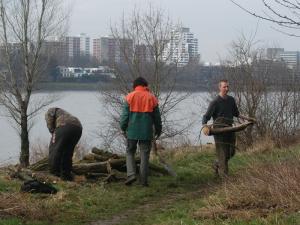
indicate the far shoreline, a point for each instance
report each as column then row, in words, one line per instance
column 98, row 86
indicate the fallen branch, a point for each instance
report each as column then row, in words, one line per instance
column 223, row 130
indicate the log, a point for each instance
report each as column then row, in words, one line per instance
column 99, row 167
column 83, row 168
column 104, row 153
column 26, row 175
column 98, row 157
column 41, row 165
column 93, row 157
column 223, row 130
column 89, row 157
column 43, row 176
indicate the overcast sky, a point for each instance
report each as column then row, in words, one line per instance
column 214, row 22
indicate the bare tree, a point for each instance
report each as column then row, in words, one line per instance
column 25, row 25
column 264, row 89
column 284, row 13
column 142, row 43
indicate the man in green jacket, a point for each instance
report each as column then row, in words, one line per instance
column 140, row 114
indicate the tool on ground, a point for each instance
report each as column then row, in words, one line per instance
column 162, row 161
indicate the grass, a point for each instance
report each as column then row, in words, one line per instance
column 167, row 201
column 282, row 164
column 267, row 188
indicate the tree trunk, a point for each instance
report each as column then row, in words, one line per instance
column 24, row 155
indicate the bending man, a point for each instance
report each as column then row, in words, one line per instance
column 66, row 131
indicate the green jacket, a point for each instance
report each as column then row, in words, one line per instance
column 140, row 114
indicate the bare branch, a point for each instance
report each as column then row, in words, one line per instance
column 148, row 34
column 282, row 20
column 24, row 27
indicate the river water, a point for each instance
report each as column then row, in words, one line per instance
column 88, row 107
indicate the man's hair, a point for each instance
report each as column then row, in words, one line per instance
column 223, row 81
column 140, row 81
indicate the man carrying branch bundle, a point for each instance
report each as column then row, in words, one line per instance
column 139, row 114
column 223, row 108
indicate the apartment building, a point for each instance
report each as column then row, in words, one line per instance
column 182, row 47
column 109, row 50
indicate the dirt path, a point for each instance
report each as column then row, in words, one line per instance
column 150, row 206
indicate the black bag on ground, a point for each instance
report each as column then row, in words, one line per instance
column 35, row 186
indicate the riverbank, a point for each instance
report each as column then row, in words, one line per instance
column 195, row 196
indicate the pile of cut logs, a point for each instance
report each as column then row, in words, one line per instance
column 99, row 164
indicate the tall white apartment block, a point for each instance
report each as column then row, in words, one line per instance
column 291, row 58
column 274, row 53
column 182, row 47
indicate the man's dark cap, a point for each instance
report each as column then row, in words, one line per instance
column 140, row 81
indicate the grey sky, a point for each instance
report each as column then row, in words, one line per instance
column 214, row 22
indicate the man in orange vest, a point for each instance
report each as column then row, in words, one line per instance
column 140, row 114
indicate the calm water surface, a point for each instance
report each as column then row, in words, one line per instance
column 87, row 106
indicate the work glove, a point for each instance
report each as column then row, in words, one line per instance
column 205, row 129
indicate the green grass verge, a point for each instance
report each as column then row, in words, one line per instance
column 181, row 211
column 79, row 204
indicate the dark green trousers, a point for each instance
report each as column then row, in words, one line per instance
column 225, row 149
column 62, row 149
